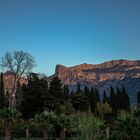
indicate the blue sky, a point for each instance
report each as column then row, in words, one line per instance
column 70, row 32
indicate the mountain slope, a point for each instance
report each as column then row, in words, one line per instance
column 112, row 73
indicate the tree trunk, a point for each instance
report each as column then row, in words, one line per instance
column 46, row 136
column 27, row 134
column 12, row 101
column 107, row 132
column 62, row 133
column 7, row 134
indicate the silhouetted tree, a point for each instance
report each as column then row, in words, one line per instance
column 97, row 95
column 125, row 100
column 66, row 93
column 94, row 99
column 33, row 93
column 19, row 63
column 138, row 99
column 57, row 92
column 87, row 91
column 119, row 101
column 79, row 100
column 113, row 102
column 78, row 89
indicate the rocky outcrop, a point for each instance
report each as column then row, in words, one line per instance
column 112, row 73
column 9, row 80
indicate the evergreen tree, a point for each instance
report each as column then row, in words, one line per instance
column 97, row 95
column 57, row 92
column 79, row 100
column 3, row 99
column 47, row 97
column 66, row 93
column 113, row 102
column 94, row 99
column 33, row 93
column 138, row 99
column 56, row 87
column 125, row 100
column 86, row 91
column 78, row 89
column 72, row 92
column 119, row 100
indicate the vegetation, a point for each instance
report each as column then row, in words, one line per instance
column 9, row 119
column 51, row 110
column 19, row 63
column 3, row 98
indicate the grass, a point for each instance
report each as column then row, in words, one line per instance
column 89, row 125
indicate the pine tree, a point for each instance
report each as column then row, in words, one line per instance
column 3, row 99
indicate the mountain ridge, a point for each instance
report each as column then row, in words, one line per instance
column 113, row 73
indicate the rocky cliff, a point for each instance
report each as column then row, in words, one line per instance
column 112, row 73
column 9, row 81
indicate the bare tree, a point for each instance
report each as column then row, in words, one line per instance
column 19, row 63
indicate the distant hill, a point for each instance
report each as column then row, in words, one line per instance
column 115, row 73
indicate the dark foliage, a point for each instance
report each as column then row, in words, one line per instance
column 3, row 98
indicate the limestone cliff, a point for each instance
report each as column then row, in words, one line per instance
column 112, row 73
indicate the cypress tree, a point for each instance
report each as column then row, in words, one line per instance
column 119, row 100
column 66, row 93
column 86, row 91
column 138, row 99
column 113, row 102
column 97, row 95
column 125, row 100
column 93, row 103
column 78, row 88
column 94, row 99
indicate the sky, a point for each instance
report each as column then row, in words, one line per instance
column 70, row 32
